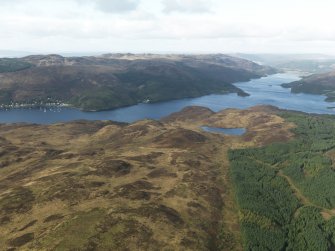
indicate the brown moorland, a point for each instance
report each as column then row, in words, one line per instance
column 150, row 185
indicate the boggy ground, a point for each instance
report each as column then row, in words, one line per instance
column 150, row 185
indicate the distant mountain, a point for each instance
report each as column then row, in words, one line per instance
column 316, row 84
column 13, row 54
column 114, row 80
column 305, row 63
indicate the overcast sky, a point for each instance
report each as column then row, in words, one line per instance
column 267, row 26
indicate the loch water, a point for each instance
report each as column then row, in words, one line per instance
column 266, row 91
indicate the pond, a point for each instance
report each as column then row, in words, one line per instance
column 227, row 131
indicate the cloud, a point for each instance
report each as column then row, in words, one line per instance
column 114, row 6
column 192, row 6
column 168, row 24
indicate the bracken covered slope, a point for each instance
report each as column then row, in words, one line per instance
column 150, row 185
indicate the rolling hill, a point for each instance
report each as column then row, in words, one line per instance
column 114, row 186
column 169, row 185
column 115, row 80
column 323, row 84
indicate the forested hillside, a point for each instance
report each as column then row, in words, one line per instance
column 285, row 191
column 12, row 65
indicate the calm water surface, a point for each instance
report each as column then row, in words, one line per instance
column 229, row 131
column 266, row 90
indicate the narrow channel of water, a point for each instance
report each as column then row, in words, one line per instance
column 266, row 90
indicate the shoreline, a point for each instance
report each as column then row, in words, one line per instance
column 17, row 106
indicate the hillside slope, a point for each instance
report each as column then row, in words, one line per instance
column 316, row 84
column 168, row 185
column 115, row 80
column 150, row 185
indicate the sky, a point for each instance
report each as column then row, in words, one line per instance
column 168, row 26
